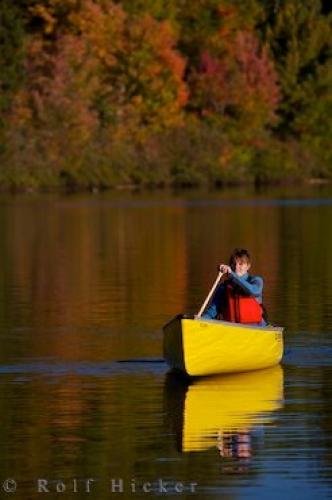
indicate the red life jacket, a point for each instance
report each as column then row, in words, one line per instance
column 240, row 308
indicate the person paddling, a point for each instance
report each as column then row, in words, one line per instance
column 239, row 297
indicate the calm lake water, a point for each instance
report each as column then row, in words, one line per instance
column 86, row 283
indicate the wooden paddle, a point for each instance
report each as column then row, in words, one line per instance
column 211, row 292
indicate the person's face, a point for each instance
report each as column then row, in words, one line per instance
column 242, row 266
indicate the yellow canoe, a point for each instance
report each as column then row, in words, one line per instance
column 212, row 408
column 201, row 347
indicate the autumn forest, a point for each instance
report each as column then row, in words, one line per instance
column 102, row 93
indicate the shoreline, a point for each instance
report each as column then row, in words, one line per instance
column 163, row 187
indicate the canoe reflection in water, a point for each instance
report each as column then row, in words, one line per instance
column 226, row 412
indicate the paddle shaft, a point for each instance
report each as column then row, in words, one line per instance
column 211, row 292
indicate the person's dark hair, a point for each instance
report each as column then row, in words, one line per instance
column 238, row 253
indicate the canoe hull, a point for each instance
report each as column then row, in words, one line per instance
column 200, row 347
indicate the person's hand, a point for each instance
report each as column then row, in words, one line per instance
column 225, row 269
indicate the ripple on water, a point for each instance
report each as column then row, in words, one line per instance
column 308, row 356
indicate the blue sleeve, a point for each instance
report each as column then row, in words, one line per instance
column 253, row 287
column 212, row 311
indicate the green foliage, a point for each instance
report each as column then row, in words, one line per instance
column 300, row 36
column 274, row 162
column 11, row 52
column 159, row 9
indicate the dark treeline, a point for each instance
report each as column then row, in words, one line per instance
column 100, row 93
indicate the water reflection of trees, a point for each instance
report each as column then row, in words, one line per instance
column 128, row 264
column 305, row 247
